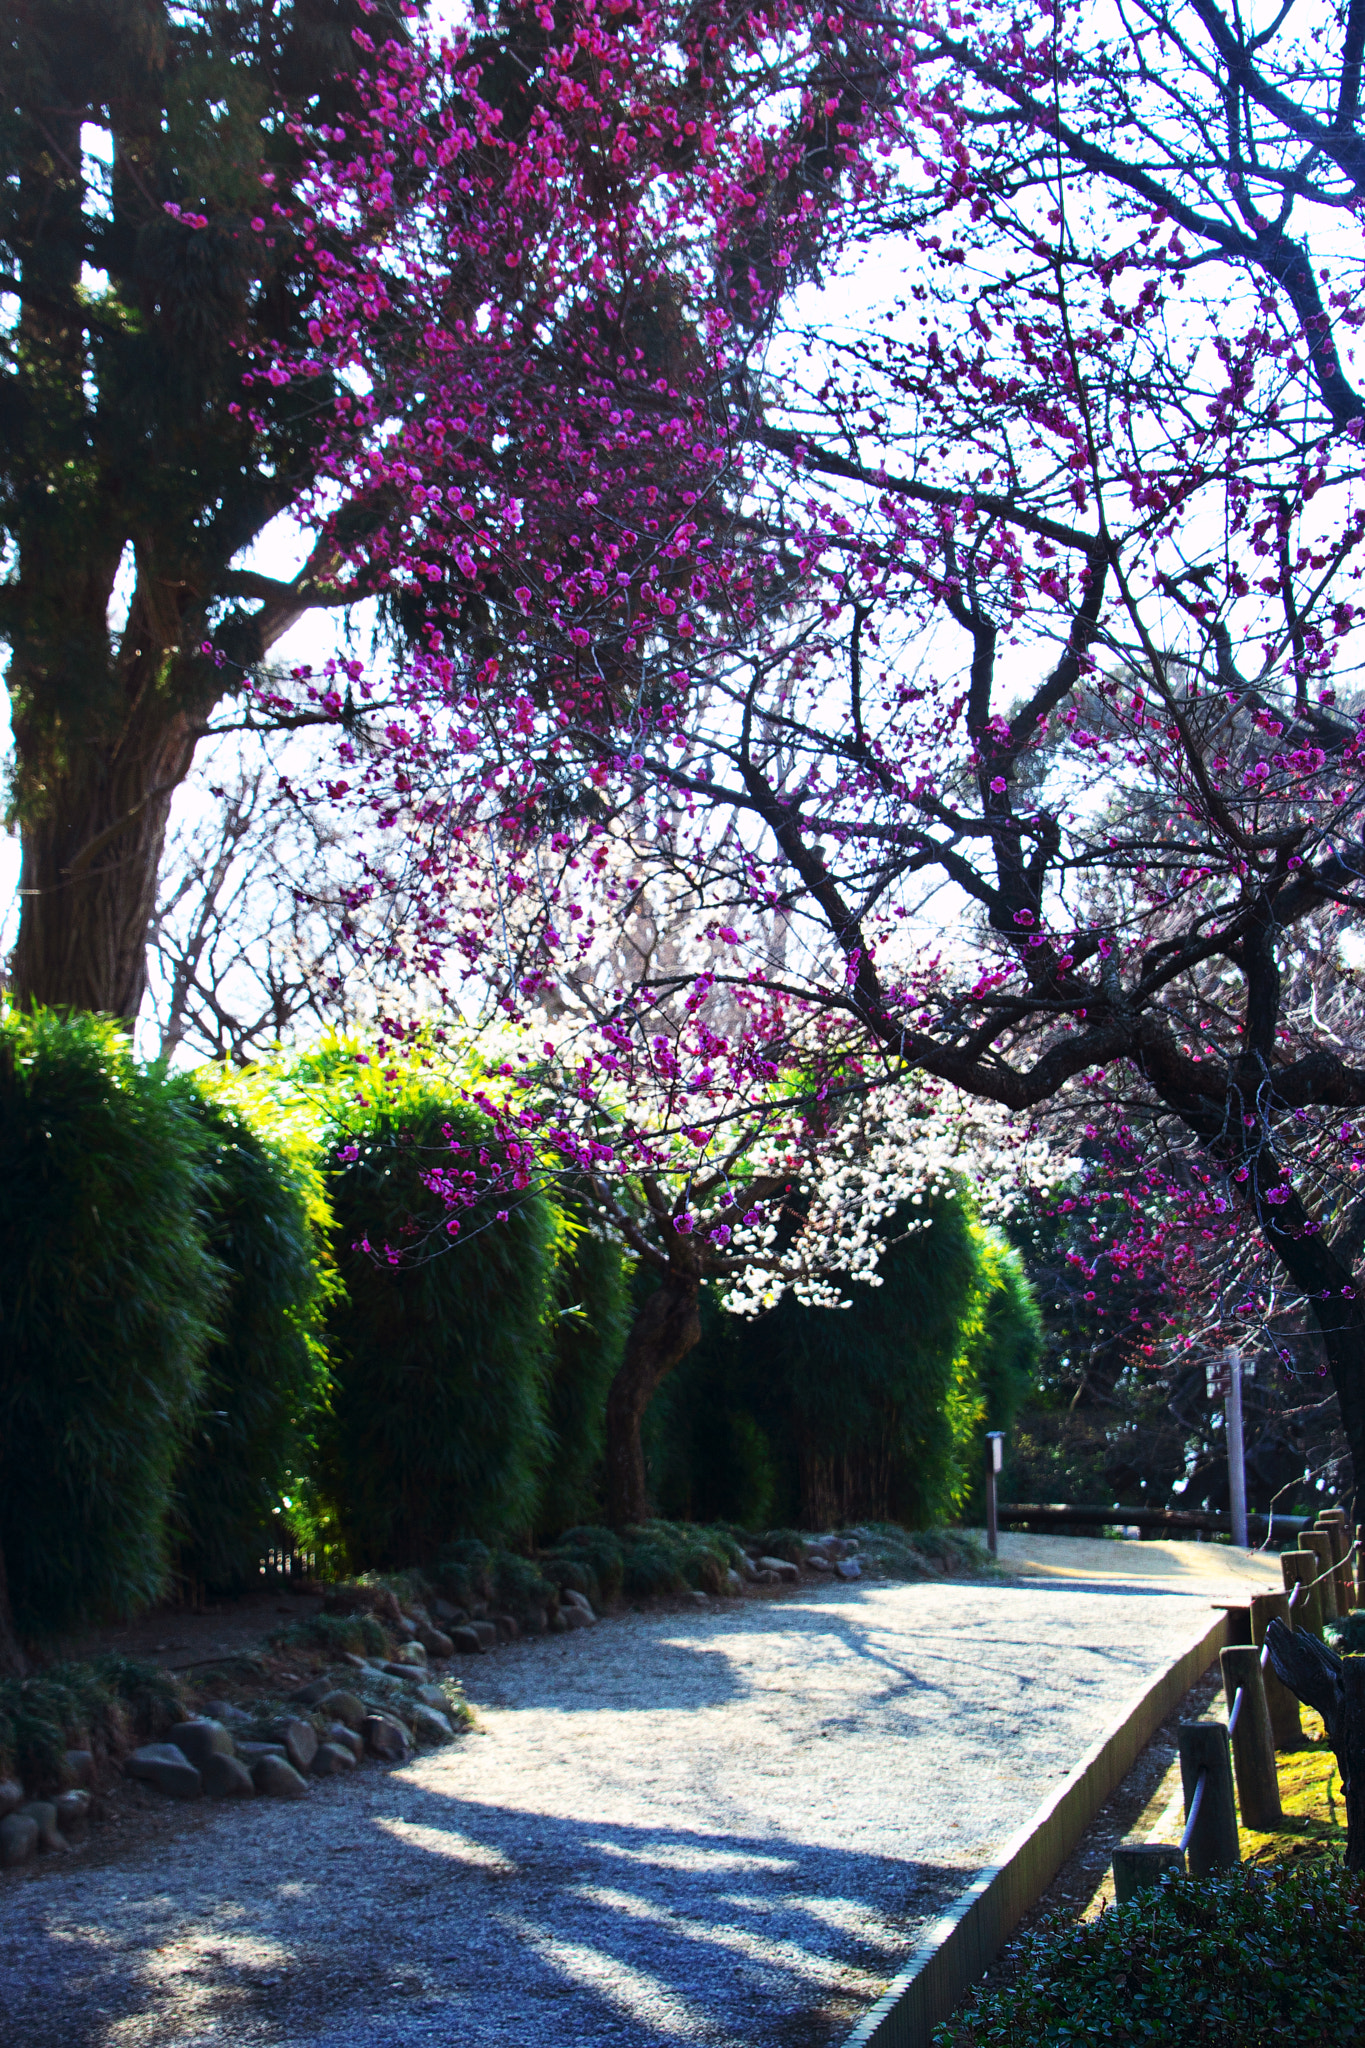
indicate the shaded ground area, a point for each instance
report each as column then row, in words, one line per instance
column 727, row 1825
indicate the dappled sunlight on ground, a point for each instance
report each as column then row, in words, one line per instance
column 729, row 1826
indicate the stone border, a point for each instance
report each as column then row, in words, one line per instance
column 963, row 1943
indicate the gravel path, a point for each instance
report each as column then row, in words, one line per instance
column 726, row 1825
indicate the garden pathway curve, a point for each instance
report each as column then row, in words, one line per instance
column 722, row 1825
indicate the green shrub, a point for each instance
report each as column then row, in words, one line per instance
column 651, row 1566
column 463, row 1570
column 520, row 1587
column 439, row 1346
column 1347, row 1636
column 588, row 1328
column 1195, row 1963
column 589, row 1559
column 265, row 1377
column 995, row 1370
column 107, row 1705
column 668, row 1557
column 833, row 1415
column 335, row 1634
column 108, row 1294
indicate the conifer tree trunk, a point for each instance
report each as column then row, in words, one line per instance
column 89, row 873
column 665, row 1330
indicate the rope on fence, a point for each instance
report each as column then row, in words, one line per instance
column 1200, row 1782
column 1236, row 1710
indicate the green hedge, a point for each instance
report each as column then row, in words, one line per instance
column 440, row 1356
column 1245, row 1959
column 265, row 1381
column 108, row 1293
column 589, row 1324
column 820, row 1417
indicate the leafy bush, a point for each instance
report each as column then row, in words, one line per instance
column 520, row 1587
column 265, row 1373
column 1194, row 1963
column 439, row 1350
column 108, row 1294
column 335, row 1634
column 589, row 1559
column 463, row 1570
column 829, row 1416
column 1347, row 1636
column 668, row 1557
column 651, row 1566
column 588, row 1328
column 107, row 1705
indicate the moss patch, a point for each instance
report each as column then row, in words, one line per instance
column 1313, row 1802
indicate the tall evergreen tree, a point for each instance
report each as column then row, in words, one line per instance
column 146, row 241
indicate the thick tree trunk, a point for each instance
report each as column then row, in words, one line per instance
column 91, row 853
column 665, row 1330
column 1335, row 1687
column 1326, row 1276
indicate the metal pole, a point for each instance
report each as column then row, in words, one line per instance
column 1237, row 1471
column 995, row 1458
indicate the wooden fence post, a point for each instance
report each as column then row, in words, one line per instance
column 1204, row 1748
column 1253, row 1744
column 1299, row 1568
column 1319, row 1541
column 1281, row 1703
column 1333, row 1520
column 1140, row 1864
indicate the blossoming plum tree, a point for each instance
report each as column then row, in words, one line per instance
column 828, row 605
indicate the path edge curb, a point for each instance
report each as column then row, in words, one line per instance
column 963, row 1942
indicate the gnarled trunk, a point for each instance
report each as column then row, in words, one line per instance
column 664, row 1331
column 88, row 880
column 1335, row 1687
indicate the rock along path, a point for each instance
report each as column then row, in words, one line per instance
column 725, row 1826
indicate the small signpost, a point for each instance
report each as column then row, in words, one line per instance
column 995, row 1458
column 1224, row 1378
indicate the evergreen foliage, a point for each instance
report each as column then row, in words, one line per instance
column 822, row 1416
column 149, row 268
column 1241, row 1956
column 265, row 1376
column 67, row 1706
column 440, row 1356
column 108, row 1292
column 588, row 1337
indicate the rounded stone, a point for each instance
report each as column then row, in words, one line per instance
column 299, row 1738
column 429, row 1726
column 226, row 1777
column 166, row 1766
column 332, row 1760
column 385, row 1737
column 73, row 1813
column 11, row 1795
column 18, row 1840
column 80, row 1767
column 347, row 1738
column 411, row 1653
column 276, row 1778
column 343, row 1706
column 200, row 1739
column 44, row 1815
column 466, row 1640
